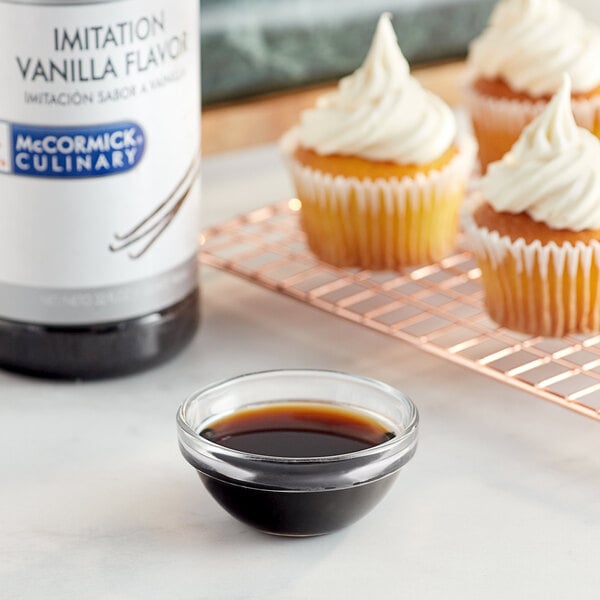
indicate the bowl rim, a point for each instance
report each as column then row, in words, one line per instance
column 399, row 443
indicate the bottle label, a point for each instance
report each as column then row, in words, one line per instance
column 99, row 159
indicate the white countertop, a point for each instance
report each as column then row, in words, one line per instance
column 501, row 500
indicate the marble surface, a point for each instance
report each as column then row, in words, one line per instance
column 257, row 46
column 251, row 47
column 501, row 500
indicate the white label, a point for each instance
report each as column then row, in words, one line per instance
column 99, row 159
column 5, row 150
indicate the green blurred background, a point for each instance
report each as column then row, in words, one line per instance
column 251, row 47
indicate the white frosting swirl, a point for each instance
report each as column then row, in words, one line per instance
column 552, row 172
column 380, row 112
column 531, row 43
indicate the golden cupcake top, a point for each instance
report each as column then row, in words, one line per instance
column 552, row 173
column 530, row 44
column 380, row 112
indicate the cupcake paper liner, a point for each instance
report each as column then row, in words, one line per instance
column 381, row 223
column 498, row 122
column 541, row 289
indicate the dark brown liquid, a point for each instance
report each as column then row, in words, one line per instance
column 98, row 351
column 297, row 430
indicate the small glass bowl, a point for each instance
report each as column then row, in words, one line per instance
column 298, row 496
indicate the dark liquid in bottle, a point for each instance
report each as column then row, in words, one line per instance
column 297, row 430
column 98, row 351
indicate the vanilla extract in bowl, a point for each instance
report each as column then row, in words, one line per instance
column 297, row 430
column 298, row 467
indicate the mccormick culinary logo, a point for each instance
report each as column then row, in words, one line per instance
column 70, row 152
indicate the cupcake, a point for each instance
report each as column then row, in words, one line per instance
column 517, row 64
column 377, row 167
column 536, row 232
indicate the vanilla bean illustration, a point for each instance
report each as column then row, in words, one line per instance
column 191, row 171
column 161, row 226
column 154, row 224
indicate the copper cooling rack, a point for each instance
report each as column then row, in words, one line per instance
column 438, row 308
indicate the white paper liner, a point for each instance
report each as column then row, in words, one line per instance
column 422, row 188
column 508, row 115
column 381, row 201
column 519, row 112
column 396, row 191
column 491, row 245
column 565, row 297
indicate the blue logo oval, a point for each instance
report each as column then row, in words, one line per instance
column 76, row 152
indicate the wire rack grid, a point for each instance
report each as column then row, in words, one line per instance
column 438, row 308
